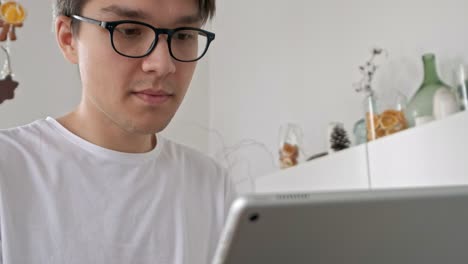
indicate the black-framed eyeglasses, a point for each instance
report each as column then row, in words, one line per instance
column 136, row 39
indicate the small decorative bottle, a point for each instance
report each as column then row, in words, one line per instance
column 420, row 107
column 290, row 143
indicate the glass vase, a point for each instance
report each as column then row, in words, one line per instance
column 289, row 146
column 385, row 116
column 420, row 107
column 359, row 131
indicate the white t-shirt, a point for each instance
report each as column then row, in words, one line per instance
column 65, row 200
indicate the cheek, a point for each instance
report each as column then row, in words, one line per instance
column 185, row 73
column 102, row 70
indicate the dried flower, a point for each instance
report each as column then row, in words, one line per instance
column 368, row 71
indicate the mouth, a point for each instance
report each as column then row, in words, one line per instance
column 153, row 97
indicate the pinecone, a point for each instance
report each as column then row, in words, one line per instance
column 339, row 139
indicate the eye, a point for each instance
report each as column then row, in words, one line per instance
column 128, row 31
column 185, row 35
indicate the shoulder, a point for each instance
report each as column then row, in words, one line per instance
column 22, row 134
column 185, row 155
column 22, row 140
column 199, row 169
column 203, row 173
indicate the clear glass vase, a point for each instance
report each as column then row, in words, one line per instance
column 359, row 131
column 290, row 140
column 385, row 116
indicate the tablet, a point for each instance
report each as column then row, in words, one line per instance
column 424, row 225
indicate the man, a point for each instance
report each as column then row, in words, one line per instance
column 99, row 185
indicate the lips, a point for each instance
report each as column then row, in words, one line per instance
column 153, row 97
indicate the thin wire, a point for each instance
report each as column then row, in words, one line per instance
column 226, row 155
column 7, row 64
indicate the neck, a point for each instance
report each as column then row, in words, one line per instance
column 430, row 71
column 95, row 127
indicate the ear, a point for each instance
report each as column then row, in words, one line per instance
column 65, row 39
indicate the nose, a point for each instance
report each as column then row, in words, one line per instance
column 159, row 61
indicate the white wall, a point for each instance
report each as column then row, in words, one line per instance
column 276, row 61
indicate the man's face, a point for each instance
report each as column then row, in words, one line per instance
column 139, row 95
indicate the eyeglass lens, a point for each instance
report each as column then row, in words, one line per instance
column 135, row 40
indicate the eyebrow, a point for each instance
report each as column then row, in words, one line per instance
column 189, row 19
column 138, row 14
column 125, row 12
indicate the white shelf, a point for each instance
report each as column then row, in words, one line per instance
column 434, row 154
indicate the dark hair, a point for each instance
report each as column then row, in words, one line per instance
column 72, row 7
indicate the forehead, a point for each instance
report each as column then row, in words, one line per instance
column 155, row 11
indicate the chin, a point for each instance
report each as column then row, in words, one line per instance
column 149, row 127
column 145, row 122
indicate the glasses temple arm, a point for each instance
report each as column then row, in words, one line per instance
column 90, row 20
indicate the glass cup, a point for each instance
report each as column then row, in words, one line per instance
column 461, row 79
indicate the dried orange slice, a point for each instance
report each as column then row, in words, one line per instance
column 392, row 112
column 399, row 114
column 388, row 120
column 12, row 12
column 387, row 123
column 403, row 120
column 394, row 130
column 393, row 121
column 380, row 133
